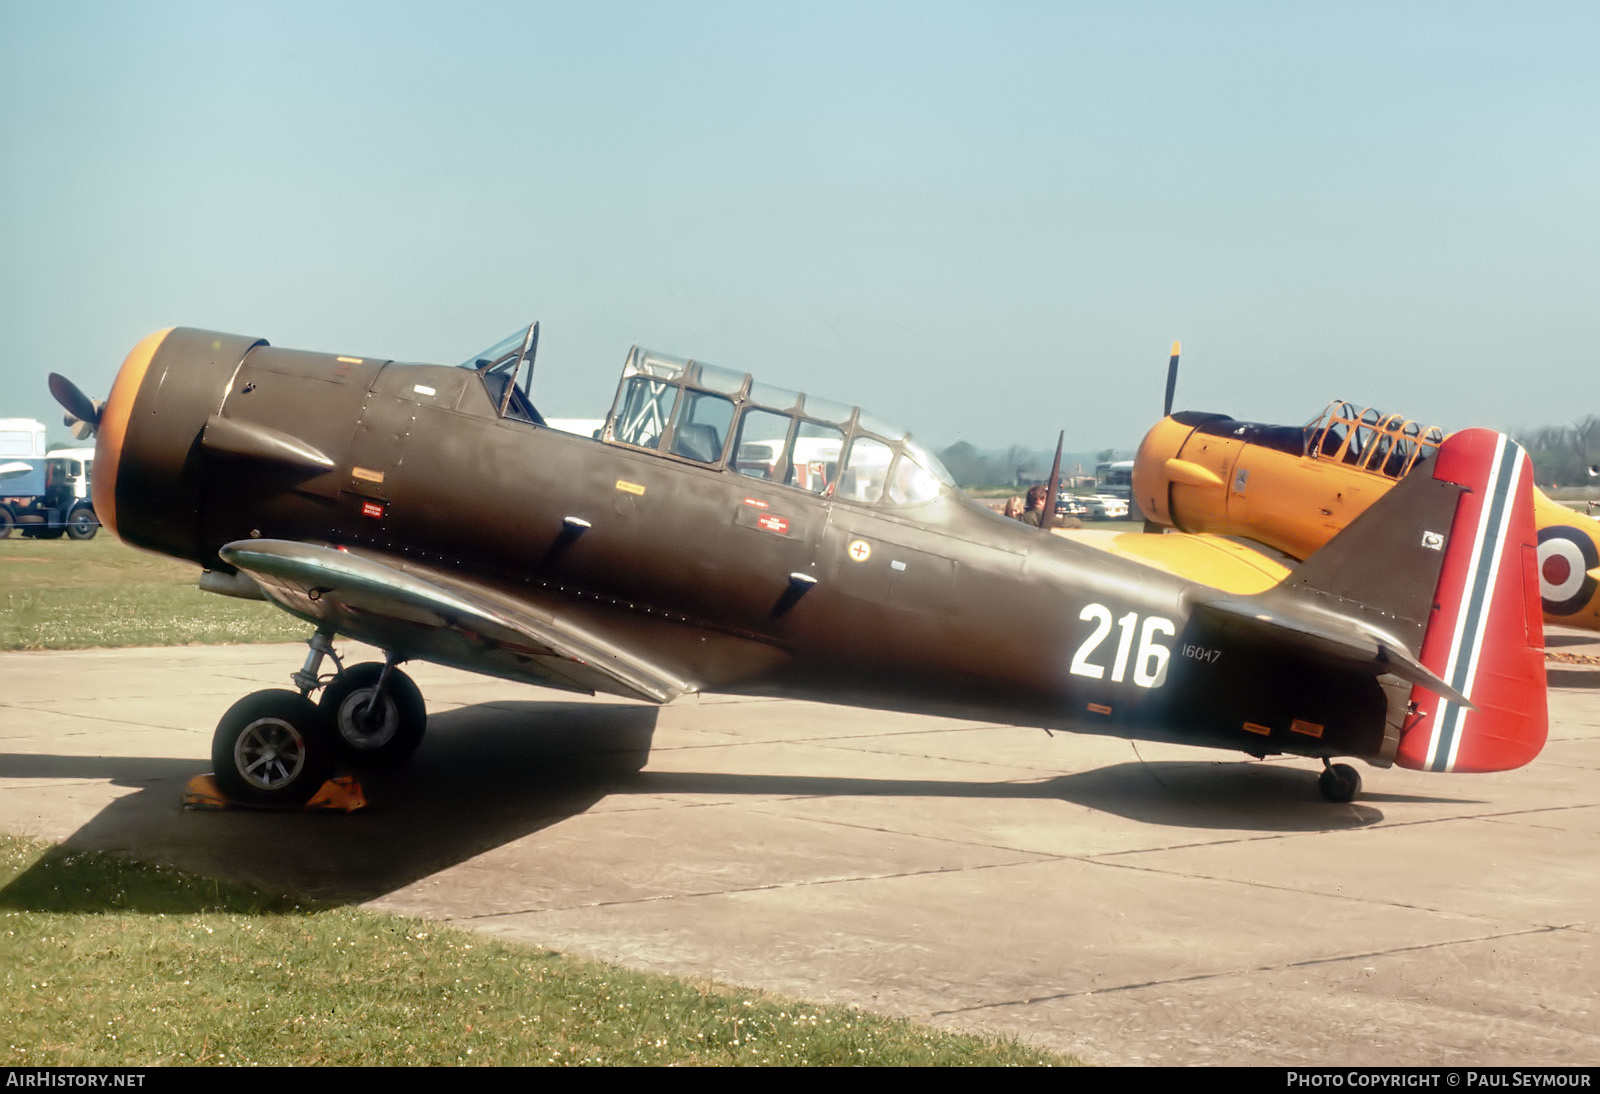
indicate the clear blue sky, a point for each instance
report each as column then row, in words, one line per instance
column 982, row 221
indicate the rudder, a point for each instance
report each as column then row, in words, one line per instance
column 1485, row 632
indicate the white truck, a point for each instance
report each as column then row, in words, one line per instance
column 44, row 494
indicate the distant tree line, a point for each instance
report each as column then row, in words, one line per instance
column 1562, row 454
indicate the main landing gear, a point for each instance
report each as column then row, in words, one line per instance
column 1338, row 782
column 277, row 747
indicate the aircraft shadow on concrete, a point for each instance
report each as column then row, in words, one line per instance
column 1575, row 676
column 485, row 776
column 491, row 774
column 1188, row 794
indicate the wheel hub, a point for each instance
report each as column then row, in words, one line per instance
column 364, row 727
column 269, row 754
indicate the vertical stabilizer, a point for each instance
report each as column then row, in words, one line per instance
column 1485, row 634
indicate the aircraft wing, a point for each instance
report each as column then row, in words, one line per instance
column 428, row 615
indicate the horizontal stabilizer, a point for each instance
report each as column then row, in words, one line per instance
column 1323, row 634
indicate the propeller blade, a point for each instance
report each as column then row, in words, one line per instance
column 1049, row 515
column 73, row 400
column 1172, row 381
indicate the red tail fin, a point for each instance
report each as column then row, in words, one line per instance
column 1485, row 633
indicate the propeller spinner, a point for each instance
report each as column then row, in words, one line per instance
column 83, row 413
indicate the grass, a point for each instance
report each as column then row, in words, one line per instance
column 109, row 963
column 61, row 594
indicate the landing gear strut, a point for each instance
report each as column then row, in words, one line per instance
column 277, row 748
column 1338, row 782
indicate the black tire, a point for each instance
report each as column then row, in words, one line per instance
column 395, row 728
column 7, row 522
column 1340, row 783
column 271, row 749
column 82, row 523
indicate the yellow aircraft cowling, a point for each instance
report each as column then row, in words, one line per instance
column 1180, row 478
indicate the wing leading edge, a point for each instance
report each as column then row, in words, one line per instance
column 426, row 615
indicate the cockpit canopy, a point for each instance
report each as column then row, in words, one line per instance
column 504, row 377
column 1385, row 444
column 688, row 410
column 709, row 415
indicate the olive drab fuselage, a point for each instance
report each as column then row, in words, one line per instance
column 827, row 558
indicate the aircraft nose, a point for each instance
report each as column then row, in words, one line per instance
column 1164, row 442
column 112, row 429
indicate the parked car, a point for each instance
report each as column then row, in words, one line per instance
column 1106, row 507
column 1070, row 505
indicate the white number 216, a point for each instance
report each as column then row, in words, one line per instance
column 1149, row 664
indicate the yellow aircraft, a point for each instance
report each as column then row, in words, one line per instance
column 1293, row 487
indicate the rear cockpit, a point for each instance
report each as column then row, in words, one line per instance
column 1384, row 444
column 696, row 413
column 703, row 414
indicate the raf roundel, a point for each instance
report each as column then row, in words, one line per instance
column 1566, row 556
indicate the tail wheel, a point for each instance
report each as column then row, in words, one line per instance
column 271, row 749
column 368, row 734
column 82, row 523
column 1339, row 783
